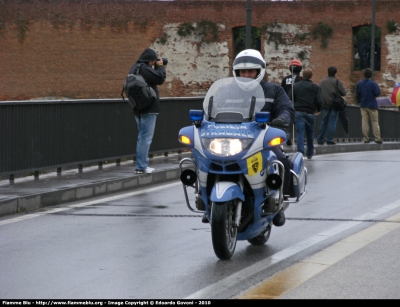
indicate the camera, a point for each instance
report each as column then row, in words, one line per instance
column 164, row 60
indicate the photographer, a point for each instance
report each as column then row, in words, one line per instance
column 154, row 74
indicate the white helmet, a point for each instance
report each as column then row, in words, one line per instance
column 249, row 59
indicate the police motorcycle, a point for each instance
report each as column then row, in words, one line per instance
column 237, row 179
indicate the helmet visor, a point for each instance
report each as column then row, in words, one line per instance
column 248, row 62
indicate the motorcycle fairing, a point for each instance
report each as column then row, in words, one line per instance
column 254, row 229
column 189, row 133
column 202, row 177
column 233, row 130
column 197, row 142
column 212, row 130
column 257, row 179
column 257, row 144
column 254, row 164
column 224, row 191
column 272, row 133
column 299, row 168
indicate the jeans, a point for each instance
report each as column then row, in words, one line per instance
column 329, row 120
column 146, row 124
column 305, row 123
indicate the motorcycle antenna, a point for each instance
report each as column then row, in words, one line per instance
column 210, row 105
column 252, row 105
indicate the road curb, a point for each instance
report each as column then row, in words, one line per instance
column 26, row 203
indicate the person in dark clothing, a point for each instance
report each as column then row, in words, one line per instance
column 363, row 50
column 329, row 114
column 307, row 104
column 366, row 93
column 295, row 67
column 154, row 74
column 250, row 64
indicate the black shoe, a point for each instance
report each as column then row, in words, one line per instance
column 204, row 219
column 309, row 157
column 320, row 143
column 279, row 219
column 331, row 143
column 366, row 142
column 378, row 142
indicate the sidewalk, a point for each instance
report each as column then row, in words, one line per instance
column 28, row 194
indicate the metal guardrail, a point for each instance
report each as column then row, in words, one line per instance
column 40, row 135
column 36, row 135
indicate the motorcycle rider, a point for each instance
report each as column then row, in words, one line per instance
column 250, row 64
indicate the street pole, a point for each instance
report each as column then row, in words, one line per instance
column 248, row 24
column 372, row 51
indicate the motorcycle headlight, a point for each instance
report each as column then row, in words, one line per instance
column 224, row 147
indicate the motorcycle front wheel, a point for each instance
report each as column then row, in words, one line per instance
column 223, row 230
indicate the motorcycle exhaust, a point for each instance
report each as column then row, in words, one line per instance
column 274, row 181
column 188, row 177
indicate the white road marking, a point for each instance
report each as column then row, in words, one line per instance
column 240, row 276
column 315, row 264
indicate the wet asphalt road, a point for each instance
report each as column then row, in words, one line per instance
column 148, row 245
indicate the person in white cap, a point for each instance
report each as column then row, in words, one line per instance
column 250, row 64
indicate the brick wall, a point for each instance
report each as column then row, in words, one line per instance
column 83, row 49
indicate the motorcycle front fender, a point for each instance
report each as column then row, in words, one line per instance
column 224, row 191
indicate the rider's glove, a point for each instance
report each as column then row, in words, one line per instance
column 278, row 122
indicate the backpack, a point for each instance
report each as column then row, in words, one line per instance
column 140, row 95
column 338, row 102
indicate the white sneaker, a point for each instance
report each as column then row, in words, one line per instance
column 149, row 170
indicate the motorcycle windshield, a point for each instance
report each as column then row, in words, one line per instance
column 233, row 100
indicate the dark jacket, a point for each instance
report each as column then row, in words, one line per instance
column 153, row 77
column 366, row 92
column 307, row 96
column 287, row 82
column 277, row 102
column 328, row 90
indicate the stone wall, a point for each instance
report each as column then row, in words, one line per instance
column 84, row 48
